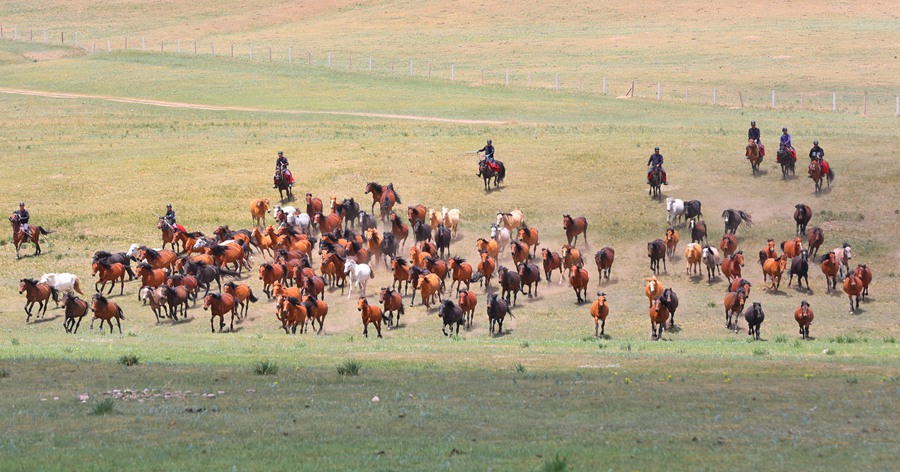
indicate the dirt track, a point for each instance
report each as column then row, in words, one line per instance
column 198, row 106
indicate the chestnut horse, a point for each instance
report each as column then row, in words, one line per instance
column 830, row 268
column 658, row 316
column 75, row 308
column 460, row 272
column 486, row 268
column 220, row 305
column 428, row 284
column 389, row 197
column 489, row 246
column 519, row 252
column 653, row 289
column 467, row 301
column 243, row 294
column 552, row 262
column 599, row 311
column 105, row 311
column 754, row 154
column 399, row 229
column 392, row 303
column 158, row 259
column 671, row 239
column 313, row 204
column 692, row 255
column 815, row 172
column 400, row 269
column 530, row 237
column 579, row 280
column 258, row 210
column 773, row 268
column 734, row 306
column 731, row 266
column 370, row 314
column 168, row 234
column 814, row 238
column 853, row 287
column 865, row 274
column 574, row 227
column 804, row 316
column 34, row 235
column 728, row 244
column 417, row 213
column 36, row 293
column 792, row 247
column 698, row 231
column 604, row 260
column 109, row 273
column 292, row 313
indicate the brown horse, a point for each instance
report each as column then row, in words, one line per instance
column 531, row 237
column 292, row 313
column 671, row 239
column 231, row 253
column 792, row 247
column 460, row 272
column 510, row 284
column 574, row 227
column 177, row 298
column 734, row 306
column 428, row 284
column 392, row 302
column 599, row 311
column 604, row 260
column 328, row 223
column 486, row 268
column 728, row 245
column 815, row 173
column 830, row 268
column 270, row 274
column 530, row 275
column 659, row 314
column 437, row 267
column 519, row 251
column 377, row 191
column 815, row 237
column 853, row 287
column 265, row 241
column 656, row 251
column 258, row 210
column 417, row 213
column 370, row 314
column 773, row 268
column 400, row 271
column 105, row 310
column 692, row 254
column 579, row 280
column 220, row 305
column 20, row 238
column 109, row 273
column 36, row 293
column 731, row 266
column 865, row 275
column 552, row 262
column 168, row 234
column 698, row 231
column 742, row 284
column 388, row 199
column 467, row 302
column 802, row 215
column 161, row 259
column 243, row 294
column 754, row 154
column 653, row 289
column 313, row 204
column 317, row 311
column 75, row 308
column 150, row 277
column 399, row 229
column 315, row 286
column 189, row 240
column 571, row 257
column 489, row 246
column 804, row 316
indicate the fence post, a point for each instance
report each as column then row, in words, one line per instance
column 62, row 37
column 195, row 46
column 126, row 42
column 452, row 71
column 741, row 96
column 507, row 77
column 16, row 34
column 31, row 32
column 604, row 86
column 270, row 54
column 773, row 99
column 482, row 76
column 715, row 96
column 833, row 101
column 290, row 55
column 370, row 63
column 76, row 38
column 557, row 81
column 658, row 91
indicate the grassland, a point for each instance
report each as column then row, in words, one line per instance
column 94, row 170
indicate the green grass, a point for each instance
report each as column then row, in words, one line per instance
column 350, row 368
column 129, row 360
column 103, row 407
column 265, row 368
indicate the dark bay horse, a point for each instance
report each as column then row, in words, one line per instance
column 486, row 173
column 802, row 215
column 786, row 160
column 574, row 227
column 655, row 183
column 656, row 251
column 733, row 219
column 34, row 235
column 285, row 187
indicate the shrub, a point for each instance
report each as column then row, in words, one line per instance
column 349, row 367
column 520, row 368
column 781, row 339
column 4, row 373
column 760, row 352
column 557, row 464
column 129, row 360
column 266, row 367
column 852, row 380
column 103, row 407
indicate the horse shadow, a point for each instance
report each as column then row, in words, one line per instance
column 674, row 329
column 760, row 173
column 611, row 281
column 45, row 319
column 503, row 333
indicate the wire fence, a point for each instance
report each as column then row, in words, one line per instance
column 878, row 104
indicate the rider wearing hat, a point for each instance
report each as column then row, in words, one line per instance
column 786, row 142
column 23, row 215
column 818, row 154
column 656, row 160
column 488, row 151
column 281, row 166
column 753, row 134
column 170, row 219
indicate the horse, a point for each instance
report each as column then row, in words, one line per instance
column 439, row 268
column 519, row 251
column 377, row 190
column 502, row 236
column 119, row 257
column 62, row 282
column 158, row 259
column 669, row 299
column 442, row 239
column 658, row 316
column 511, row 220
column 108, row 273
column 674, row 210
column 489, row 246
column 243, row 294
column 467, row 301
column 865, row 275
column 671, row 239
column 653, row 289
column 416, row 213
column 451, row 219
column 349, row 211
column 731, row 266
column 774, row 268
column 367, row 222
column 187, row 281
column 800, row 268
column 530, row 275
column 710, row 259
column 317, row 310
column 733, row 219
column 157, row 299
column 359, row 275
column 370, row 314
column 604, row 260
column 728, row 245
column 804, row 317
column 313, row 204
column 34, row 235
column 754, row 154
column 511, row 284
column 400, row 271
column 392, row 302
column 450, row 313
column 258, row 210
column 177, row 299
column 168, row 234
column 150, row 277
column 802, row 215
column 579, row 280
column 486, row 268
column 599, row 312
column 656, row 251
column 531, row 237
column 655, row 183
column 399, row 229
column 428, row 284
column 292, row 312
column 487, row 173
column 815, row 237
column 830, row 268
column 574, row 227
column 36, row 292
column 315, row 286
column 389, row 197
column 189, row 240
column 219, row 305
column 497, row 309
column 786, row 160
column 853, row 287
column 327, row 223
column 105, row 311
column 284, row 184
column 460, row 272
column 698, row 231
column 279, row 291
column 742, row 284
column 815, row 172
column 843, row 255
column 755, row 317
column 792, row 247
column 75, row 308
column 421, row 231
column 207, row 273
column 388, row 247
column 571, row 257
column 734, row 305
column 234, row 253
column 692, row 255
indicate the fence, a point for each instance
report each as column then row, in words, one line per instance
column 860, row 103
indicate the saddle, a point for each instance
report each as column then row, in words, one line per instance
column 491, row 165
column 285, row 176
column 179, row 228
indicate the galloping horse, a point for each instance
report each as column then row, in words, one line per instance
column 658, row 316
column 574, row 227
column 656, row 251
column 755, row 155
column 731, row 266
column 853, row 287
column 786, row 160
column 105, row 311
column 734, row 305
column 671, row 240
column 804, row 316
column 733, row 219
column 599, row 312
column 389, row 197
column 802, row 215
column 392, row 302
column 20, row 238
column 774, row 268
column 655, row 183
column 604, row 260
column 755, row 317
column 830, row 268
column 486, row 173
column 814, row 238
column 220, row 305
column 370, row 314
column 284, row 186
column 728, row 245
column 36, row 293
column 693, row 253
column 258, row 210
column 815, row 172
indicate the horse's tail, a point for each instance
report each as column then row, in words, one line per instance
column 55, row 294
column 746, row 218
column 44, row 231
column 402, row 311
column 830, row 174
column 502, row 173
column 78, row 286
column 396, row 195
column 120, row 312
column 229, row 273
column 252, row 297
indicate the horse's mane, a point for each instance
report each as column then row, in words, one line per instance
column 458, row 260
column 101, row 255
column 401, row 261
column 144, row 265
column 104, row 264
column 196, row 234
column 215, row 296
column 151, row 253
column 293, row 301
column 219, row 250
column 30, row 281
column 100, row 298
column 231, row 285
column 376, row 187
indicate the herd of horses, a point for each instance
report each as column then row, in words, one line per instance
column 349, row 247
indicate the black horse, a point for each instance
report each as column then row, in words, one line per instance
column 656, row 251
column 755, row 317
column 669, row 299
column 284, row 187
column 655, row 183
column 733, row 219
column 786, row 161
column 450, row 314
column 206, row 274
column 442, row 237
column 692, row 209
column 366, row 222
column 388, row 246
column 422, row 231
column 115, row 257
column 802, row 215
column 800, row 268
column 497, row 308
column 349, row 210
column 486, row 173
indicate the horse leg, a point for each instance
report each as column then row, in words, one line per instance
column 118, row 322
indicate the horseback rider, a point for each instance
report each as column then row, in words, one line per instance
column 786, row 142
column 170, row 220
column 488, row 151
column 23, row 215
column 753, row 134
column 656, row 160
column 281, row 170
column 818, row 154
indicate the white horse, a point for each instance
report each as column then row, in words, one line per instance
column 451, row 219
column 711, row 259
column 843, row 255
column 62, row 282
column 293, row 217
column 133, row 250
column 674, row 209
column 359, row 275
column 502, row 236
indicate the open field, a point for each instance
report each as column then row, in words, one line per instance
column 94, row 170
